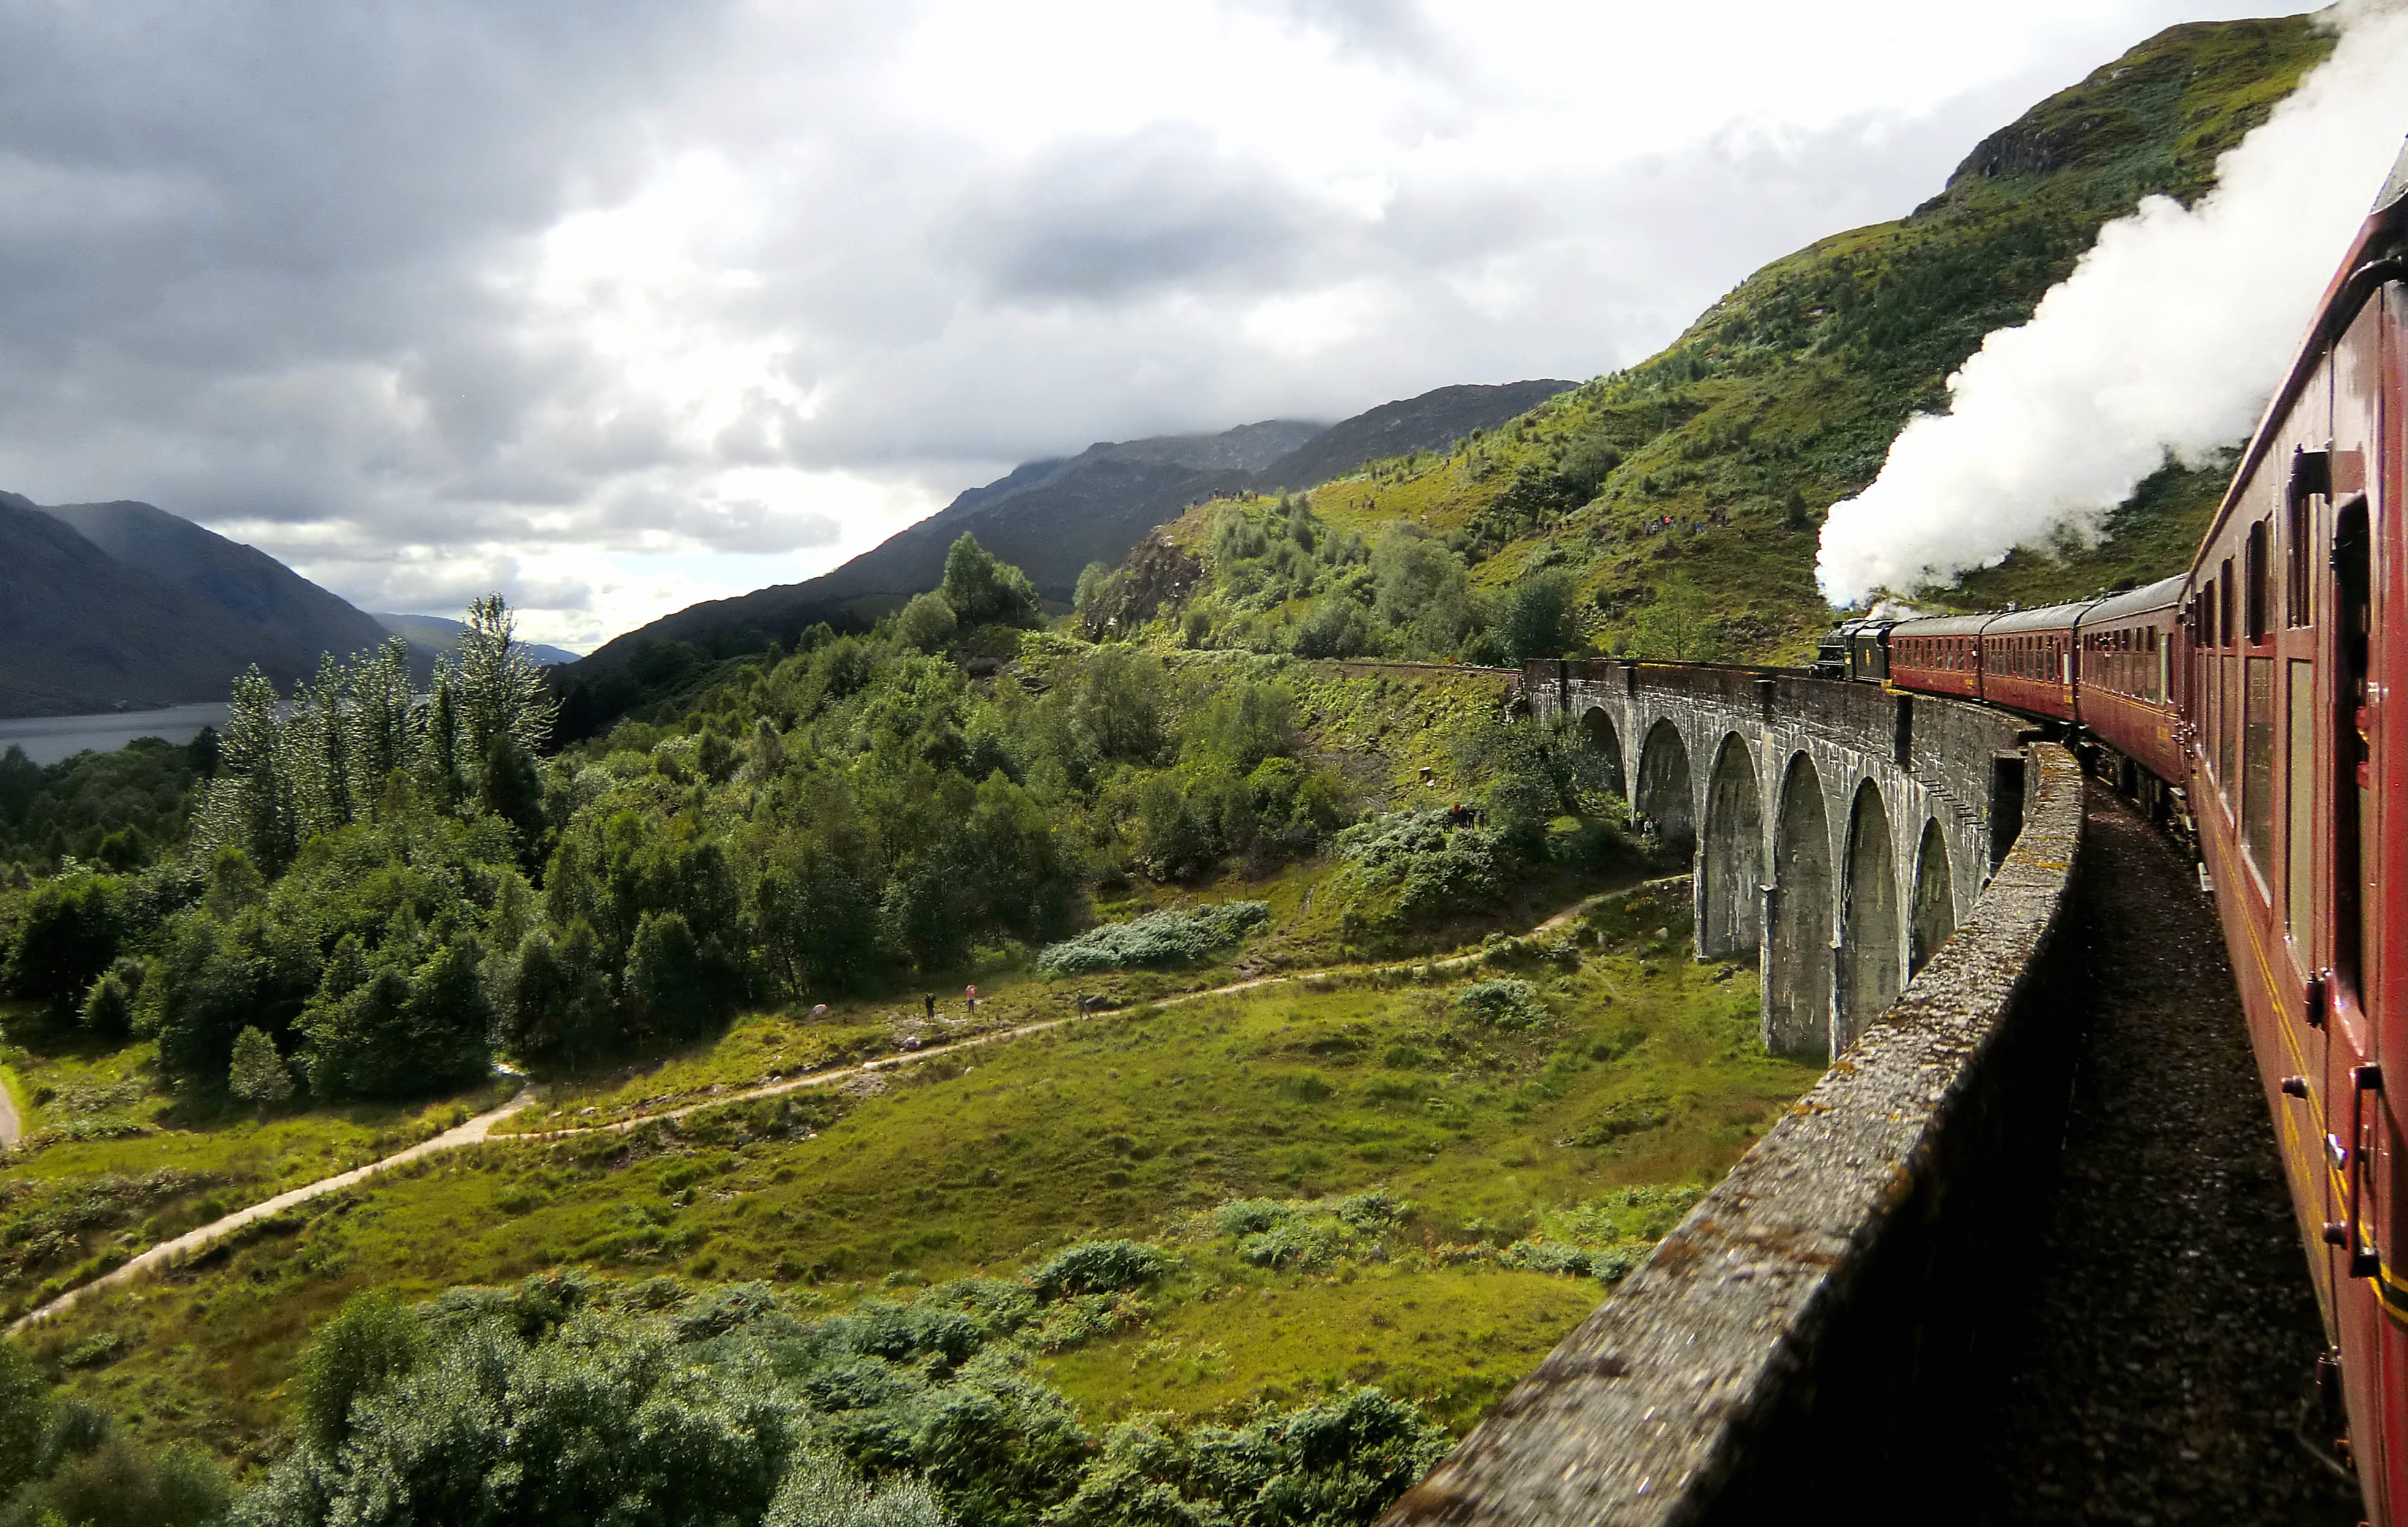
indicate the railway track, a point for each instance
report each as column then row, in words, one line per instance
column 2157, row 1371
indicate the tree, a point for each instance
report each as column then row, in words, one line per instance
column 1335, row 627
column 1539, row 770
column 679, row 984
column 1422, row 588
column 1095, row 582
column 439, row 745
column 1243, row 724
column 258, row 1075
column 68, row 935
column 510, row 788
column 558, row 998
column 816, row 915
column 383, row 717
column 1119, row 705
column 1537, row 620
column 250, row 804
column 499, row 692
column 216, row 978
column 927, row 623
column 316, row 745
column 984, row 591
column 385, row 1028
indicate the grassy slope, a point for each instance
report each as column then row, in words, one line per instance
column 1126, row 1125
column 1798, row 380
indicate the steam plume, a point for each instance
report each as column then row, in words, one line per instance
column 2167, row 335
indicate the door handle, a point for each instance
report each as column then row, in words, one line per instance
column 2349, row 1235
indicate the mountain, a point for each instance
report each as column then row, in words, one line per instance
column 289, row 619
column 1783, row 397
column 1427, row 422
column 1051, row 518
column 122, row 604
column 439, row 635
column 81, row 632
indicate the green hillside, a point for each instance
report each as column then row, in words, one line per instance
column 1782, row 399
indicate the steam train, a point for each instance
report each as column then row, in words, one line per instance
column 2260, row 698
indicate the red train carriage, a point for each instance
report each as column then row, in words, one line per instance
column 2272, row 681
column 2123, row 673
column 1942, row 656
column 2296, row 646
column 2027, row 660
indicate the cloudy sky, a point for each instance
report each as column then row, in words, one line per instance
column 615, row 305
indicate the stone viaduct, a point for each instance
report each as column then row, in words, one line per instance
column 1839, row 831
column 1799, row 1343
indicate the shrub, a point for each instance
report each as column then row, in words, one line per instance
column 1094, row 1267
column 1418, row 870
column 1505, row 1003
column 108, row 1007
column 371, row 1342
column 1158, row 938
column 24, row 1416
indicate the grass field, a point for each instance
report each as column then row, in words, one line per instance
column 1642, row 1077
column 111, row 1163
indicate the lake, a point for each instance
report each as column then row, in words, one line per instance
column 47, row 739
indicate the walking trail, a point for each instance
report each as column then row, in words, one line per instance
column 480, row 1129
column 10, row 1125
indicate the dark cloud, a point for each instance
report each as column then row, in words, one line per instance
column 569, row 301
column 1114, row 220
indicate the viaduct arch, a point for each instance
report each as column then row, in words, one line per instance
column 1839, row 831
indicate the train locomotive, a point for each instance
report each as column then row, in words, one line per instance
column 2259, row 700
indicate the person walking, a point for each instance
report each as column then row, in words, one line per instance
column 970, row 995
column 929, row 999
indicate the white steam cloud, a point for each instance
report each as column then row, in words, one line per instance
column 2169, row 336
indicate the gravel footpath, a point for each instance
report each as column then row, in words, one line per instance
column 2158, row 1373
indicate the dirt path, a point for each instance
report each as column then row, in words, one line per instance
column 2157, row 1373
column 12, row 1129
column 480, row 1129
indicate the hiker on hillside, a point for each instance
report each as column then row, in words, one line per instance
column 970, row 995
column 929, row 999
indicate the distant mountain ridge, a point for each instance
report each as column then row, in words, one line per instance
column 1051, row 518
column 441, row 635
column 1427, row 422
column 122, row 604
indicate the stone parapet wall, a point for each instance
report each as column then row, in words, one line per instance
column 1789, row 1347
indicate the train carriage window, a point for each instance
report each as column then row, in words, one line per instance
column 2257, row 763
column 2300, row 536
column 2300, row 802
column 2254, row 574
column 2350, row 786
column 2210, row 694
column 2224, row 608
column 2227, row 717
